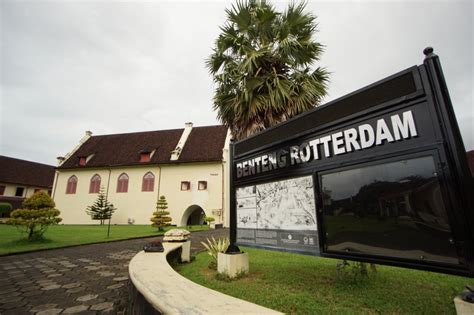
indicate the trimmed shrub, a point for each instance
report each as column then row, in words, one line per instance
column 36, row 215
column 5, row 209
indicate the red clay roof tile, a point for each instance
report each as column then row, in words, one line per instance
column 16, row 171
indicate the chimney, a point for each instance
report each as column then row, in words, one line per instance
column 60, row 160
column 88, row 133
column 182, row 141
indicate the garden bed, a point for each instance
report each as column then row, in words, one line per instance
column 300, row 284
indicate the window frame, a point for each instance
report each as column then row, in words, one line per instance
column 145, row 157
column 148, row 184
column 71, row 185
column 204, row 183
column 22, row 191
column 82, row 161
column 187, row 185
column 122, row 184
column 94, row 188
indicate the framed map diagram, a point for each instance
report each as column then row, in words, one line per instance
column 279, row 213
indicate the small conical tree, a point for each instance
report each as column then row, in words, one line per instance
column 160, row 217
column 101, row 209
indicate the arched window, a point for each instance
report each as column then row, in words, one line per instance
column 122, row 183
column 94, row 186
column 71, row 185
column 148, row 182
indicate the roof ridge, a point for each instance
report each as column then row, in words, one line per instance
column 22, row 160
column 135, row 132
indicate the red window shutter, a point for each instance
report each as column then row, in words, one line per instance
column 2, row 190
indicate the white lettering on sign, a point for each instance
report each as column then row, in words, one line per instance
column 345, row 141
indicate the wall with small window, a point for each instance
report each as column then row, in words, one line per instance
column 138, row 200
column 11, row 190
column 199, row 184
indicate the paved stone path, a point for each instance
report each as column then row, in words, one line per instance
column 90, row 279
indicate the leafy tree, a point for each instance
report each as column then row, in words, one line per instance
column 101, row 209
column 161, row 217
column 262, row 66
column 36, row 214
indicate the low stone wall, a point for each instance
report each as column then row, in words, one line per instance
column 168, row 292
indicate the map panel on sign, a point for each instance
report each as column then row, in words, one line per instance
column 286, row 205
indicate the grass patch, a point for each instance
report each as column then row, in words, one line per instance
column 12, row 241
column 299, row 284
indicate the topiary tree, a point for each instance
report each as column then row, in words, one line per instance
column 5, row 209
column 36, row 214
column 102, row 209
column 209, row 220
column 161, row 217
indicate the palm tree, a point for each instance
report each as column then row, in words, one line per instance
column 261, row 64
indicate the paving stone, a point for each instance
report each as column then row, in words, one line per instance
column 8, row 290
column 51, row 287
column 75, row 309
column 92, row 267
column 16, row 311
column 110, row 258
column 51, row 311
column 44, row 281
column 33, row 293
column 42, row 307
column 115, row 286
column 72, row 285
column 102, row 306
column 75, row 290
column 106, row 273
column 9, row 267
column 54, row 275
column 87, row 297
column 10, row 298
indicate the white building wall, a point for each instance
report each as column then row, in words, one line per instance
column 140, row 205
column 10, row 190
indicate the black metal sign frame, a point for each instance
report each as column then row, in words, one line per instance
column 401, row 124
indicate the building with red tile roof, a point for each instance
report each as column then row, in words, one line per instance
column 20, row 179
column 185, row 165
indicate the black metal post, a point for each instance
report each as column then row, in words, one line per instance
column 233, row 248
column 108, row 228
column 456, row 153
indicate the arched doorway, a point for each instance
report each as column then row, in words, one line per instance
column 194, row 215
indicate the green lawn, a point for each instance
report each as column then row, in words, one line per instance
column 298, row 284
column 12, row 241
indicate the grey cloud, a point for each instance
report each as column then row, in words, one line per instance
column 112, row 67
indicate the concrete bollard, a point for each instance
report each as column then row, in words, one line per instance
column 232, row 264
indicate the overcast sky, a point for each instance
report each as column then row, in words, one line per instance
column 114, row 67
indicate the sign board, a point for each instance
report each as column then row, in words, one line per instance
column 379, row 175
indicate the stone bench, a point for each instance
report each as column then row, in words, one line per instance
column 170, row 293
